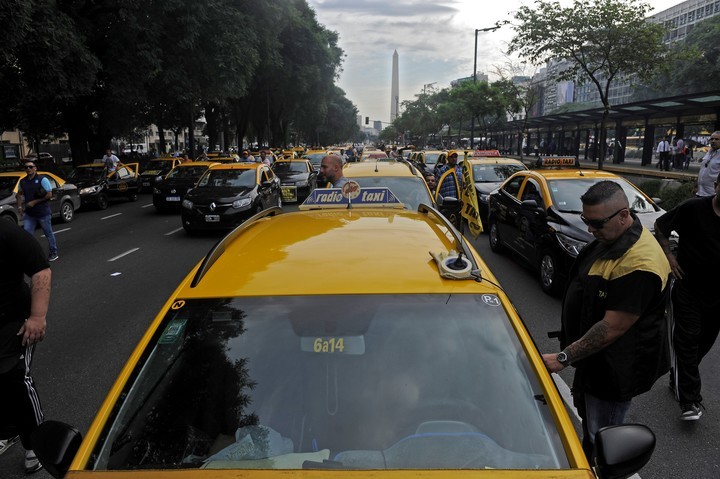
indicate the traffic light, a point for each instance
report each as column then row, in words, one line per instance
column 367, row 120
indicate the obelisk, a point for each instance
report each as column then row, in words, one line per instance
column 395, row 89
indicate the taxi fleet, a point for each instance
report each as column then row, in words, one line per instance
column 403, row 360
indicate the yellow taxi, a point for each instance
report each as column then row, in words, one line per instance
column 155, row 170
column 298, row 178
column 169, row 193
column 63, row 203
column 402, row 178
column 404, row 360
column 535, row 215
column 98, row 186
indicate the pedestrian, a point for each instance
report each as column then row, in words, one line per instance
column 331, row 168
column 264, row 158
column 694, row 298
column 110, row 160
column 613, row 326
column 688, row 156
column 679, row 154
column 663, row 151
column 33, row 198
column 23, row 310
column 247, row 157
column 449, row 188
column 709, row 168
column 431, row 182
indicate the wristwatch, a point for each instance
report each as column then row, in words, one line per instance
column 563, row 358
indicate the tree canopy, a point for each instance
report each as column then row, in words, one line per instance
column 597, row 40
column 104, row 69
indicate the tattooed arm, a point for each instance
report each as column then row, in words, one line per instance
column 33, row 330
column 601, row 335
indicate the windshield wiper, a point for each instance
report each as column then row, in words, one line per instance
column 325, row 464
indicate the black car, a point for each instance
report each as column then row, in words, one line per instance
column 65, row 197
column 98, row 186
column 315, row 158
column 298, row 178
column 535, row 215
column 228, row 194
column 169, row 193
column 154, row 172
column 488, row 174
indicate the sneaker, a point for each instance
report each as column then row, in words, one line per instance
column 53, row 257
column 691, row 412
column 6, row 443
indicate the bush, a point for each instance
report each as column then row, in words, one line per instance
column 670, row 194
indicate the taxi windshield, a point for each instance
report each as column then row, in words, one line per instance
column 7, row 185
column 289, row 167
column 566, row 194
column 368, row 382
column 494, row 173
column 88, row 173
column 231, row 178
column 408, row 189
column 431, row 158
column 188, row 172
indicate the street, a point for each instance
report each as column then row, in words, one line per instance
column 118, row 266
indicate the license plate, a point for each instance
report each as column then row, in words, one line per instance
column 212, row 218
column 172, row 198
column 289, row 193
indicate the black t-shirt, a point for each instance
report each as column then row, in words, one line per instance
column 698, row 254
column 20, row 255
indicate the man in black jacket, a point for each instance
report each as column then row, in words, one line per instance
column 613, row 326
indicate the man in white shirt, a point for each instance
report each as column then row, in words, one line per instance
column 709, row 168
column 110, row 160
column 663, row 150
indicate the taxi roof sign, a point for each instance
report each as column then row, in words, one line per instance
column 367, row 197
column 486, row 153
column 557, row 161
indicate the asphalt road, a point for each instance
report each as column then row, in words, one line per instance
column 117, row 268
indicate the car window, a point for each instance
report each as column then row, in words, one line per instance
column 229, row 178
column 7, row 186
column 88, row 173
column 494, row 173
column 53, row 183
column 410, row 190
column 124, row 173
column 566, row 194
column 531, row 191
column 370, row 382
column 286, row 167
column 512, row 187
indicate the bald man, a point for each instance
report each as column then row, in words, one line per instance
column 332, row 168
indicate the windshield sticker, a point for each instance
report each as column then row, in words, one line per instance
column 491, row 300
column 173, row 331
column 354, row 345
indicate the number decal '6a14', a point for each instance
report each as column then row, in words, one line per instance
column 329, row 345
column 354, row 345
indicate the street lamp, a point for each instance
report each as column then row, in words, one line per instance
column 497, row 25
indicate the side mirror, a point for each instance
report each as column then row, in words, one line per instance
column 621, row 451
column 448, row 201
column 266, row 184
column 55, row 444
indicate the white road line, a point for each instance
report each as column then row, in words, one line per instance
column 124, row 254
column 146, row 206
column 173, row 231
column 111, row 216
column 58, row 231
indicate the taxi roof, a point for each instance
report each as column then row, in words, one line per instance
column 245, row 165
column 377, row 168
column 292, row 160
column 292, row 243
column 188, row 164
column 498, row 160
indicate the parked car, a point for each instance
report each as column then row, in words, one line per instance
column 63, row 204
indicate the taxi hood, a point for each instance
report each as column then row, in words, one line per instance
column 222, row 194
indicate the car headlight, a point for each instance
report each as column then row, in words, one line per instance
column 571, row 245
column 242, row 203
column 187, row 204
column 90, row 190
column 158, row 179
column 301, row 184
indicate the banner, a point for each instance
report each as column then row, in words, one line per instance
column 468, row 196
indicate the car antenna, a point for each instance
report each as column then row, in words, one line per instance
column 376, row 165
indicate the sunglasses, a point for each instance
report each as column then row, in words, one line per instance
column 30, row 167
column 598, row 224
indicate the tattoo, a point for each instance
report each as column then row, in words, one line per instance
column 593, row 341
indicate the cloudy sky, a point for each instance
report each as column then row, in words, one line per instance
column 435, row 41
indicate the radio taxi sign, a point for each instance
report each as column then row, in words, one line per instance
column 351, row 197
column 547, row 161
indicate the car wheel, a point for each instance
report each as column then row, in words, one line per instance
column 102, row 201
column 494, row 237
column 549, row 273
column 67, row 212
column 9, row 217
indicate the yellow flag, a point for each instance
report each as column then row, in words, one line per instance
column 470, row 209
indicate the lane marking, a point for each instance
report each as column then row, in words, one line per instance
column 124, row 254
column 56, row 232
column 111, row 216
column 174, row 231
column 146, row 206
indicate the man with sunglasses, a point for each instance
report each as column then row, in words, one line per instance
column 33, row 198
column 613, row 327
column 694, row 297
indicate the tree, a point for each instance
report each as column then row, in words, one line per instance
column 483, row 101
column 598, row 40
